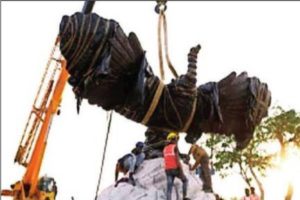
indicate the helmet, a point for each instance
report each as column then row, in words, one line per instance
column 139, row 145
column 172, row 136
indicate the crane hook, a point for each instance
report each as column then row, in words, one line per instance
column 160, row 6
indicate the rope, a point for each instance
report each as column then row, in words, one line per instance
column 160, row 56
column 191, row 117
column 99, row 50
column 104, row 152
column 162, row 22
column 171, row 67
column 154, row 103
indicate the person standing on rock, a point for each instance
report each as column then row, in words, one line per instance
column 202, row 159
column 173, row 166
column 126, row 165
column 129, row 163
column 138, row 151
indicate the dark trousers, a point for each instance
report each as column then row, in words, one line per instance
column 205, row 174
column 171, row 174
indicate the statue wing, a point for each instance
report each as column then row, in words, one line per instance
column 234, row 105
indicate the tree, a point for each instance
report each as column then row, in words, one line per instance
column 283, row 127
column 253, row 161
column 250, row 162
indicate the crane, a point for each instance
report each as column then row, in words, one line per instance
column 33, row 143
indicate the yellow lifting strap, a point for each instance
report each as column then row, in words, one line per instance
column 162, row 23
column 191, row 117
column 154, row 103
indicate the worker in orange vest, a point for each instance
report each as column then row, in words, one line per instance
column 201, row 159
column 172, row 165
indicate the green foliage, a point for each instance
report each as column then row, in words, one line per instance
column 282, row 127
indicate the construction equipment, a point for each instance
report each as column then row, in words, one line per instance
column 46, row 105
column 36, row 133
column 110, row 69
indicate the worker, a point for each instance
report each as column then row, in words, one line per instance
column 173, row 166
column 247, row 194
column 201, row 159
column 138, row 151
column 129, row 163
column 126, row 165
column 155, row 143
column 253, row 195
column 212, row 169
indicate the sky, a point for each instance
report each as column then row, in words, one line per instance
column 261, row 38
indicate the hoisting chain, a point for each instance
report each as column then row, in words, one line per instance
column 160, row 8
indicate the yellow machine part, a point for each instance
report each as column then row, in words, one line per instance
column 46, row 195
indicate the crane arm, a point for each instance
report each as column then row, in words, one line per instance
column 27, row 187
column 31, row 176
column 32, row 172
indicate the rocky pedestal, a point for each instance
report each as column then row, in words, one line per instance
column 151, row 185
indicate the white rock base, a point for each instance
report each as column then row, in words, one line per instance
column 151, row 184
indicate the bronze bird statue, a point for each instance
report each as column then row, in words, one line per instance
column 110, row 70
